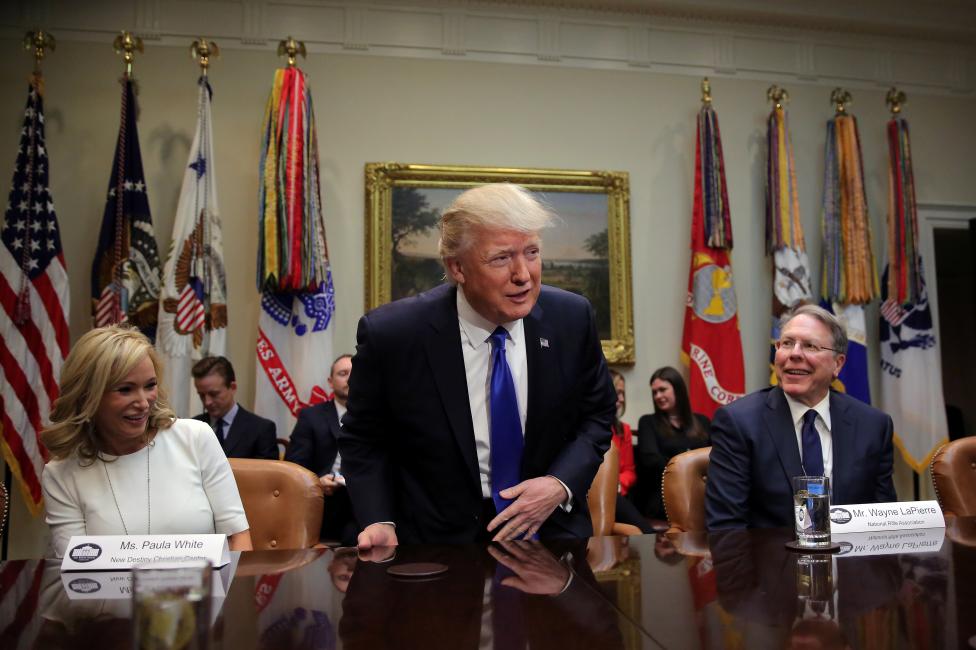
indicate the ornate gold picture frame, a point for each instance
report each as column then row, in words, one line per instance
column 587, row 252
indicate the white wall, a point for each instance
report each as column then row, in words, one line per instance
column 454, row 110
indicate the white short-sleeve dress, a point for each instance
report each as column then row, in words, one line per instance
column 181, row 483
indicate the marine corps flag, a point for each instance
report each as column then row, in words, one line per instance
column 295, row 328
column 711, row 346
column 850, row 279
column 911, row 366
column 193, row 309
column 125, row 273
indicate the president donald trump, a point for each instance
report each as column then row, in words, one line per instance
column 480, row 409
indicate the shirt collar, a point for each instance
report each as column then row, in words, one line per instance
column 797, row 409
column 476, row 327
column 230, row 415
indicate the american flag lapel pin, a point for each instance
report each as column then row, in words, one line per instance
column 543, row 343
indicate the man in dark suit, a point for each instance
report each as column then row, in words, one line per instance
column 481, row 407
column 242, row 434
column 797, row 428
column 314, row 446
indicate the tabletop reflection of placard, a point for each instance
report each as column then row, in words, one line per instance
column 890, row 542
column 122, row 552
column 898, row 515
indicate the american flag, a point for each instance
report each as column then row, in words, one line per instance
column 34, row 294
column 21, row 583
column 125, row 279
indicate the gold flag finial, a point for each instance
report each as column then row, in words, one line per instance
column 37, row 42
column 840, row 98
column 292, row 49
column 777, row 95
column 894, row 99
column 202, row 50
column 127, row 45
column 706, row 90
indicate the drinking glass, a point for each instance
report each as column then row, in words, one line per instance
column 171, row 605
column 811, row 506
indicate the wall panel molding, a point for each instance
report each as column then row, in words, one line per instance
column 668, row 40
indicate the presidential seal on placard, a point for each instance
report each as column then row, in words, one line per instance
column 713, row 297
column 87, row 552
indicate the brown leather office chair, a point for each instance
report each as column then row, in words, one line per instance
column 683, row 486
column 283, row 503
column 954, row 477
column 602, row 498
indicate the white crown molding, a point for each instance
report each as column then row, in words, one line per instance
column 691, row 37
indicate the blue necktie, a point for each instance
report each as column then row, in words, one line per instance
column 506, row 427
column 220, row 431
column 812, row 451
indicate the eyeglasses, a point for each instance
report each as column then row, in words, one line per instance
column 807, row 347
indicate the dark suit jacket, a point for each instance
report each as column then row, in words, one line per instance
column 250, row 436
column 755, row 455
column 407, row 442
column 313, row 442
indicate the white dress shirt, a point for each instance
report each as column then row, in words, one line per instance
column 476, row 350
column 822, row 424
column 337, row 463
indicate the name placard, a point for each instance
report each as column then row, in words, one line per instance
column 121, row 552
column 898, row 515
column 889, row 542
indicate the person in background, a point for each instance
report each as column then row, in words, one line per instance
column 241, row 434
column 314, row 446
column 672, row 429
column 122, row 463
column 627, row 513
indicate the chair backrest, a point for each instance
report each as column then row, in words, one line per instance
column 683, row 487
column 283, row 502
column 954, row 477
column 602, row 497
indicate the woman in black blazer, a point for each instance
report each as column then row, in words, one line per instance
column 669, row 431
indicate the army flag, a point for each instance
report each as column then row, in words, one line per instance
column 784, row 232
column 849, row 279
column 193, row 304
column 33, row 306
column 711, row 346
column 911, row 367
column 295, row 326
column 125, row 273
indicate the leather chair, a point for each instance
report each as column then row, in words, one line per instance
column 683, row 486
column 283, row 503
column 602, row 498
column 954, row 477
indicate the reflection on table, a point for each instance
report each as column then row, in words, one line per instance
column 737, row 589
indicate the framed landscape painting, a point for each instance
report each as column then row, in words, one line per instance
column 587, row 251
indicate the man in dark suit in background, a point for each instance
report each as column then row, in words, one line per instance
column 314, row 446
column 241, row 433
column 799, row 427
column 482, row 407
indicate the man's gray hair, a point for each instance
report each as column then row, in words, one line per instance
column 497, row 206
column 838, row 334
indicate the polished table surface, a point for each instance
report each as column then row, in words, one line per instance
column 738, row 589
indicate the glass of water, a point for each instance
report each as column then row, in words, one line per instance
column 171, row 605
column 811, row 506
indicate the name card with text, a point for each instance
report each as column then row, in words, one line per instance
column 121, row 552
column 889, row 542
column 899, row 515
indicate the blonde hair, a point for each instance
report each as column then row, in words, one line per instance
column 496, row 206
column 99, row 360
